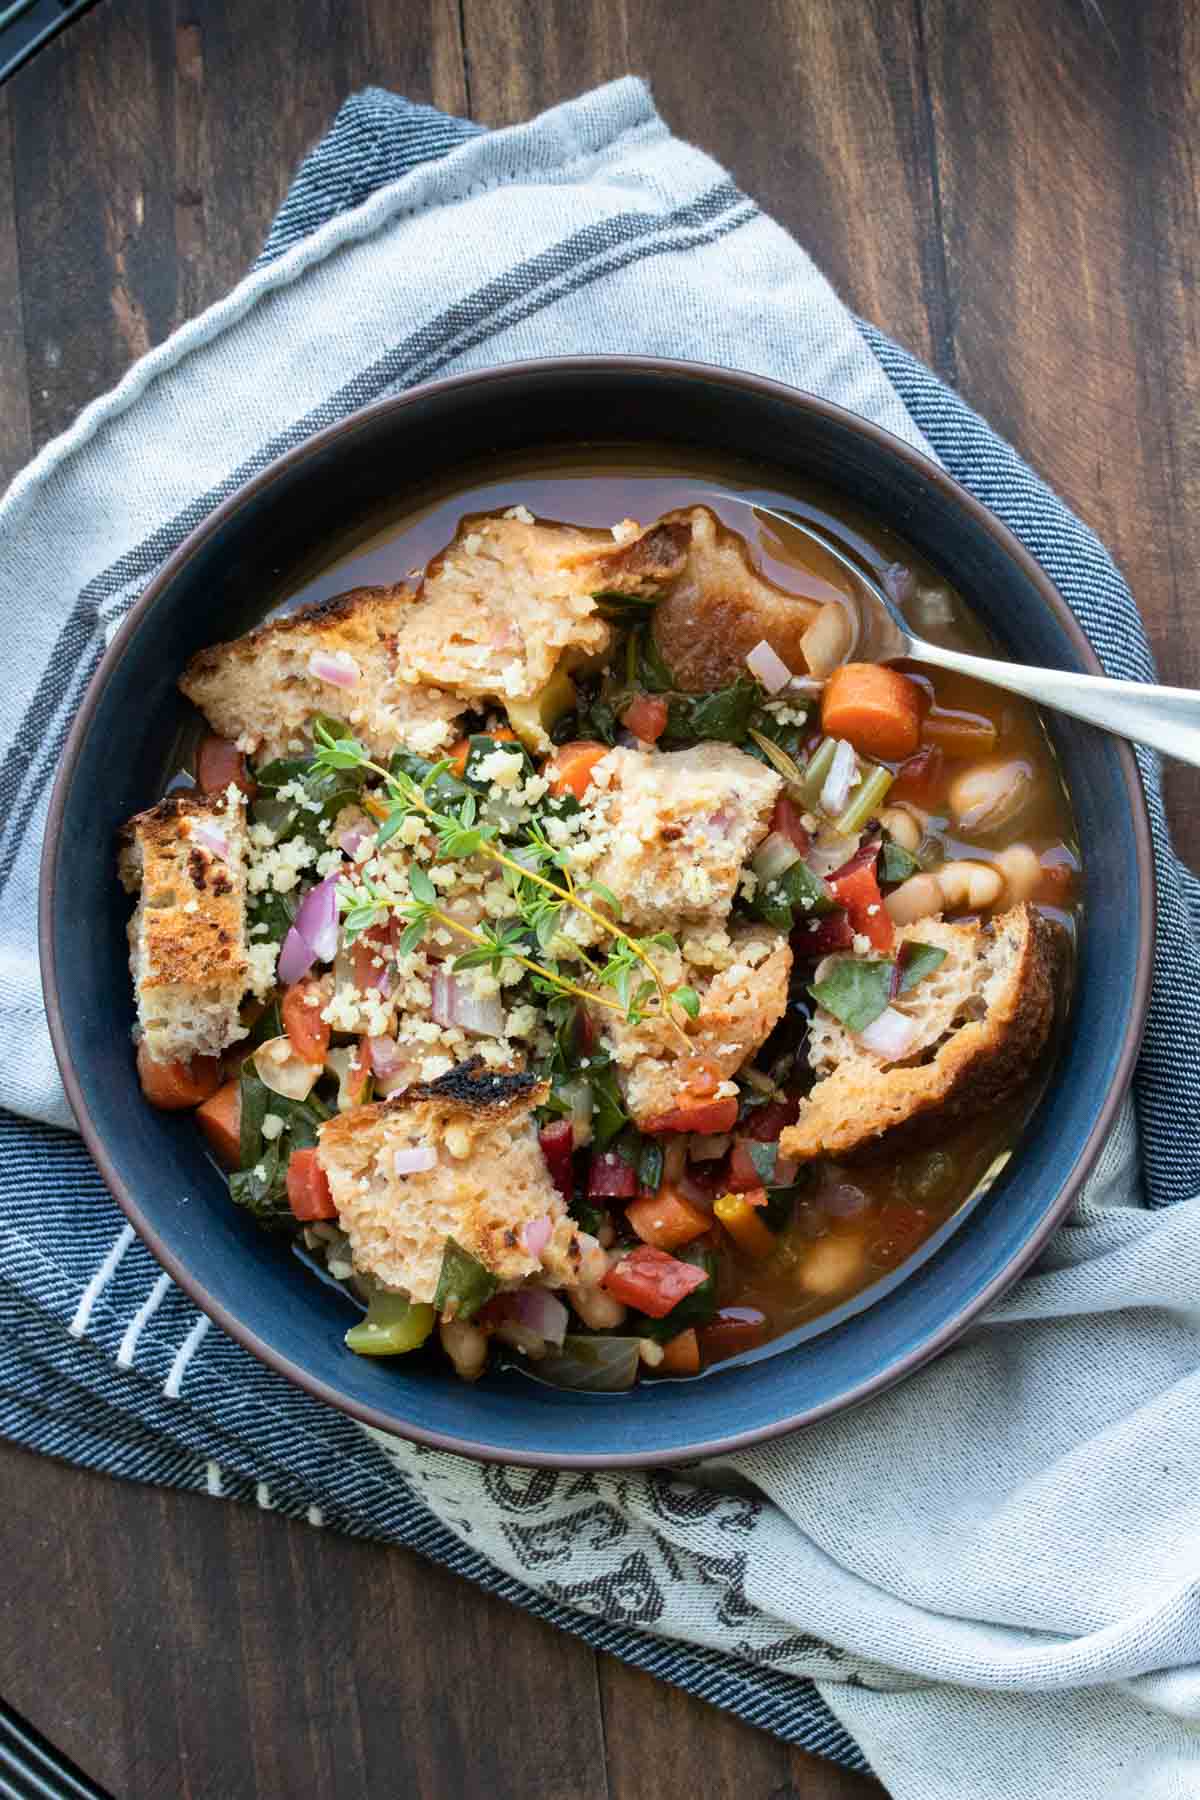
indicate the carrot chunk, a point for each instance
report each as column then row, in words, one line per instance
column 177, row 1086
column 308, row 1187
column 708, row 1117
column 873, row 708
column 681, row 1355
column 666, row 1219
column 220, row 1119
column 570, row 770
column 646, row 716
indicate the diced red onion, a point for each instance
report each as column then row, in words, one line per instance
column 891, row 1035
column 415, row 1161
column 211, row 837
column 350, row 840
column 317, row 923
column 337, row 667
column 535, row 1235
column 296, row 958
column 455, row 1004
column 769, row 669
column 535, row 1309
column 386, row 1055
column 774, row 856
column 836, row 790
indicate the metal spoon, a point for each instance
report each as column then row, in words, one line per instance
column 1165, row 717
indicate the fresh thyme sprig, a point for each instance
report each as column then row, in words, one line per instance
column 461, row 834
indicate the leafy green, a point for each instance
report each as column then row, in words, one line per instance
column 260, row 1185
column 720, row 716
column 479, row 745
column 789, row 738
column 620, row 607
column 650, row 1161
column 764, row 1157
column 608, row 1115
column 330, row 779
column 275, row 911
column 855, row 990
column 917, row 961
column 896, row 863
column 797, row 890
column 689, row 999
column 652, row 672
column 464, row 1285
column 441, row 786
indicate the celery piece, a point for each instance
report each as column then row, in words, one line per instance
column 816, row 769
column 393, row 1325
column 863, row 803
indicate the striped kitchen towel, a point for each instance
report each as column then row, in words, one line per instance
column 980, row 1583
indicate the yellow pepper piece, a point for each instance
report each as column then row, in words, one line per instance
column 744, row 1226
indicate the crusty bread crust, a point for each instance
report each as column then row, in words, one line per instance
column 490, row 1181
column 187, row 936
column 864, row 1109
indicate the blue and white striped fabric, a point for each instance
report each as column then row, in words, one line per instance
column 1016, row 1594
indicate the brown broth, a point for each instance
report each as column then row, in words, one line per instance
column 905, row 1198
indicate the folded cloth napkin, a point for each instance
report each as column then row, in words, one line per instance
column 980, row 1583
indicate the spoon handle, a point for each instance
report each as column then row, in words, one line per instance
column 1167, row 718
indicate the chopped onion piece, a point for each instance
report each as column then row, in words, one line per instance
column 830, row 851
column 538, row 1311
column 774, row 857
column 317, row 920
column 836, row 790
column 455, row 1004
column 768, row 668
column 414, row 1161
column 808, row 686
column 385, row 1054
column 828, row 640
column 536, row 1234
column 891, row 1036
column 296, row 958
column 350, row 840
column 337, row 667
column 279, row 1068
column 211, row 837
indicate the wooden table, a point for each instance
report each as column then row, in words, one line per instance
column 1009, row 190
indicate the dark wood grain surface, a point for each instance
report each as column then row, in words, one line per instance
column 1009, row 190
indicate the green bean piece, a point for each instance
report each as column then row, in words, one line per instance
column 393, row 1325
column 865, row 801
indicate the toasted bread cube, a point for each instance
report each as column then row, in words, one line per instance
column 677, row 828
column 489, row 1182
column 940, row 1000
column 509, row 597
column 185, row 859
column 987, row 1045
column 739, row 1008
column 265, row 689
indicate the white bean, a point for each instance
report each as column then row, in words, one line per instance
column 465, row 1345
column 914, row 899
column 596, row 1308
column 832, row 1263
column 969, row 886
column 1021, row 870
column 650, row 1353
column 901, row 824
column 991, row 794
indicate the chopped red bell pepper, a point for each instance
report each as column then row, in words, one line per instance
column 652, row 1281
column 558, row 1141
column 610, row 1177
column 646, row 716
column 856, row 887
column 308, row 1187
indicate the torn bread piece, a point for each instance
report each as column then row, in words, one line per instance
column 677, row 828
column 947, row 996
column 720, row 606
column 185, row 860
column 488, row 1184
column 509, row 597
column 739, row 1008
column 339, row 658
column 986, row 1048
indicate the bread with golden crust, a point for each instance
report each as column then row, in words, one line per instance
column 862, row 1106
column 185, row 860
column 489, row 1183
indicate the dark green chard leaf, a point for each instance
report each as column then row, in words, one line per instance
column 444, row 790
column 764, row 1157
column 255, row 1097
column 696, row 1308
column 275, row 911
column 609, row 1115
column 652, row 672
column 896, row 864
column 916, row 961
column 855, row 990
column 723, row 716
column 260, row 1184
column 587, row 1215
column 796, row 892
column 331, row 789
column 268, row 1025
column 480, row 745
column 619, row 608
column 262, row 1189
column 464, row 1285
column 790, row 738
column 650, row 1162
column 589, row 1365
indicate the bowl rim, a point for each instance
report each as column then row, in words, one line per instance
column 600, row 367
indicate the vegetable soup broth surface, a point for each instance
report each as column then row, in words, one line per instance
column 845, row 1226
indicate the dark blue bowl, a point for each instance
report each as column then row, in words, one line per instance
column 120, row 746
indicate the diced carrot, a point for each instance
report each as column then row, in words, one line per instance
column 735, row 1328
column 666, row 1219
column 177, row 1086
column 681, row 1355
column 308, row 1187
column 458, row 753
column 957, row 733
column 738, row 1215
column 856, row 887
column 570, row 769
column 920, row 778
column 708, row 1117
column 308, row 1032
column 220, row 1119
column 873, row 708
column 646, row 716
column 218, row 762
